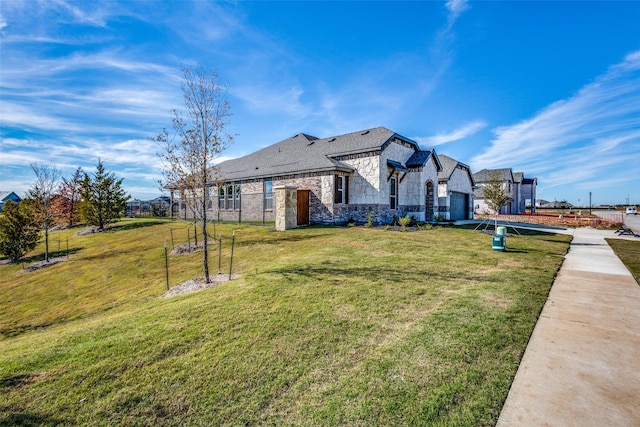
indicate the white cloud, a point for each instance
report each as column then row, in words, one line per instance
column 589, row 136
column 455, row 8
column 455, row 135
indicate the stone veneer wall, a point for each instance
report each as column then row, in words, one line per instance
column 285, row 206
column 368, row 191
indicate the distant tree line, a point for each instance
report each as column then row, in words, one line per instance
column 95, row 199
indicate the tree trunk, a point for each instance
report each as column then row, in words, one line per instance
column 205, row 255
column 46, row 243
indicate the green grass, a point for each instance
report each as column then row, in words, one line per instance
column 326, row 326
column 629, row 253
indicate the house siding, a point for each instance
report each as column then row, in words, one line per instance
column 367, row 174
column 458, row 182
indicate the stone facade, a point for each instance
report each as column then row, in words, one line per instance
column 369, row 189
column 366, row 190
column 286, row 204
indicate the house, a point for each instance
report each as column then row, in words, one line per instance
column 528, row 191
column 334, row 180
column 5, row 196
column 522, row 190
column 482, row 178
column 155, row 207
column 563, row 204
column 455, row 189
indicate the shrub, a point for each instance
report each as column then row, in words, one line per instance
column 369, row 222
column 404, row 221
column 19, row 232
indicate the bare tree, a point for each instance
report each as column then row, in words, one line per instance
column 188, row 154
column 496, row 195
column 67, row 207
column 42, row 193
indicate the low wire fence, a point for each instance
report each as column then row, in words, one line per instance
column 194, row 242
column 601, row 220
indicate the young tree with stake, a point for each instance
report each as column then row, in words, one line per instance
column 496, row 196
column 188, row 154
column 42, row 193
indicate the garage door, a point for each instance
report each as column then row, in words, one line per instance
column 459, row 203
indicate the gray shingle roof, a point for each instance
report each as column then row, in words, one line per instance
column 449, row 165
column 485, row 175
column 518, row 176
column 305, row 153
column 397, row 166
column 418, row 158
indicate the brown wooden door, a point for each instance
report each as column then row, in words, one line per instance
column 303, row 207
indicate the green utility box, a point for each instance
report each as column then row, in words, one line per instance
column 499, row 243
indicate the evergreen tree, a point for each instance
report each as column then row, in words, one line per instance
column 19, row 231
column 103, row 199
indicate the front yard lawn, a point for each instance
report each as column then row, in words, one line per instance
column 325, row 326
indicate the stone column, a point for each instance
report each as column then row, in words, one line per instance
column 286, row 209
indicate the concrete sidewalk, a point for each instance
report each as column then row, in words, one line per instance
column 582, row 364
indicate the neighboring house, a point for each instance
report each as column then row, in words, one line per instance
column 556, row 205
column 137, row 207
column 517, row 205
column 522, row 190
column 5, row 196
column 155, row 207
column 455, row 189
column 541, row 202
column 336, row 179
column 528, row 191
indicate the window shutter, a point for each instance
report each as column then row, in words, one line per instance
column 336, row 189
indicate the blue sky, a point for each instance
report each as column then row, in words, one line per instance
column 548, row 88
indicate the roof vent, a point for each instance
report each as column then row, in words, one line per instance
column 365, row 132
column 332, row 139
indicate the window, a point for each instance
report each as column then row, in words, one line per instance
column 393, row 193
column 268, row 194
column 229, row 197
column 210, row 198
column 341, row 192
column 221, row 193
column 237, row 190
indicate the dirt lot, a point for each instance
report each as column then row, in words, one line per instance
column 560, row 220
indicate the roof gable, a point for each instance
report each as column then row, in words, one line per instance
column 485, row 175
column 9, row 195
column 421, row 157
column 449, row 165
column 518, row 176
